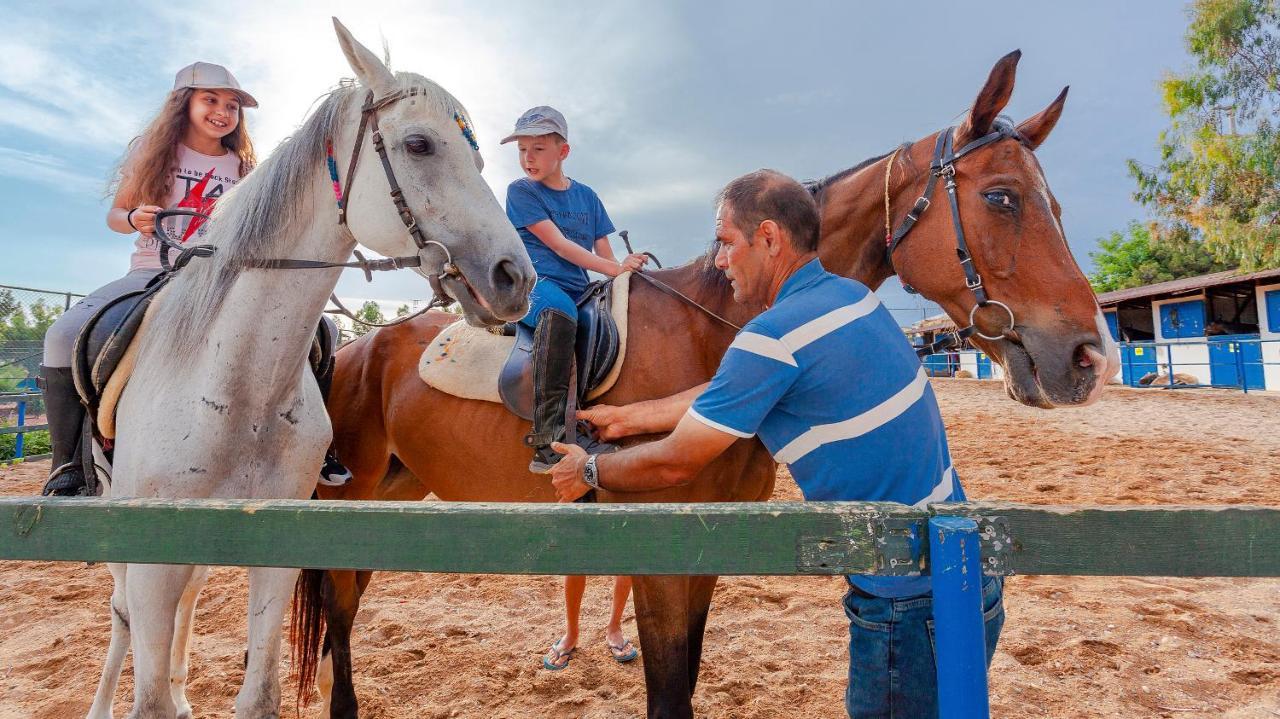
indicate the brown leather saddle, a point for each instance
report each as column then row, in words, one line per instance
column 595, row 350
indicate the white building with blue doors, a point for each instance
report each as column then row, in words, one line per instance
column 1223, row 329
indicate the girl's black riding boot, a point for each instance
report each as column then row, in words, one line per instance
column 66, row 423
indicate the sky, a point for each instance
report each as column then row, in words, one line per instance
column 666, row 102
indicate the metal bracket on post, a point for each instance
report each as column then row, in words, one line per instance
column 898, row 547
column 959, row 633
column 997, row 546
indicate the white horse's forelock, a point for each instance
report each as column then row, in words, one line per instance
column 252, row 220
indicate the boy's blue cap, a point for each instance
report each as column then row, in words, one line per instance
column 538, row 121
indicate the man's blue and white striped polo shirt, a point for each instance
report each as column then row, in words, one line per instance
column 828, row 381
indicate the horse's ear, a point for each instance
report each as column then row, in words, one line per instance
column 991, row 100
column 368, row 68
column 1038, row 127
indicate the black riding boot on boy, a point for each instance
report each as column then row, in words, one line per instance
column 333, row 473
column 553, row 360
column 66, row 425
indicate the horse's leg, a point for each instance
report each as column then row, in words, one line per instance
column 662, row 615
column 104, row 698
column 183, row 625
column 700, row 591
column 343, row 590
column 152, row 593
column 269, row 590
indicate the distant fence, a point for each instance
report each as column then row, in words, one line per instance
column 25, row 314
column 16, row 410
column 1234, row 362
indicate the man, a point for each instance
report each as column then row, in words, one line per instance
column 828, row 382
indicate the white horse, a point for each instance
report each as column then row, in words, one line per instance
column 222, row 402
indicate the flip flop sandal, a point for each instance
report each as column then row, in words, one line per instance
column 552, row 660
column 624, row 652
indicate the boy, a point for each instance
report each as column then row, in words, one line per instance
column 566, row 231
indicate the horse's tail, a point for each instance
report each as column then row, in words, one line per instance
column 306, row 630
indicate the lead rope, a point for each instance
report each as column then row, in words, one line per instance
column 888, row 220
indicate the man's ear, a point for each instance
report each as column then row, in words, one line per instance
column 772, row 236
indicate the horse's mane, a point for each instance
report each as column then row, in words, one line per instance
column 260, row 216
column 816, row 187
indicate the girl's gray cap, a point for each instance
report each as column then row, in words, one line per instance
column 208, row 76
column 541, row 120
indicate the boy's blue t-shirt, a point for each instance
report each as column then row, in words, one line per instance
column 578, row 213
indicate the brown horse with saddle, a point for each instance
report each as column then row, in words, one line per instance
column 992, row 254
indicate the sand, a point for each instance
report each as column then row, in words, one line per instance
column 470, row 646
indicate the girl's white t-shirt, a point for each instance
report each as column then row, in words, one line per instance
column 198, row 181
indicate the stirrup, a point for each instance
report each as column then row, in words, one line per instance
column 66, row 481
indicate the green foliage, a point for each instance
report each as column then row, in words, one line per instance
column 33, row 443
column 17, row 323
column 368, row 312
column 402, row 311
column 1132, row 259
column 1218, row 180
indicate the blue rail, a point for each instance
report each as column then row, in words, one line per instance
column 22, row 428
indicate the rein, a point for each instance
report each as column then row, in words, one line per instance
column 368, row 120
column 943, row 166
column 663, row 286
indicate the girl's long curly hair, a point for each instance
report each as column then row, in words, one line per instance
column 144, row 175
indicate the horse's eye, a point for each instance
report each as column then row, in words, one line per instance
column 1000, row 199
column 419, row 145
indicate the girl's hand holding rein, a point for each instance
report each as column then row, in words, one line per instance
column 139, row 219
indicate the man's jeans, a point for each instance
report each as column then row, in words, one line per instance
column 892, row 673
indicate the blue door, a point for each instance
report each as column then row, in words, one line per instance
column 1136, row 362
column 984, row 366
column 1232, row 356
column 1273, row 310
column 1179, row 320
column 1113, row 323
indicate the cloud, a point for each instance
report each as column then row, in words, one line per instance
column 46, row 169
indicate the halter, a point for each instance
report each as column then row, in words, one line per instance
column 943, row 166
column 368, row 120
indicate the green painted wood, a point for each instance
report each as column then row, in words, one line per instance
column 1127, row 540
column 728, row 538
column 749, row 538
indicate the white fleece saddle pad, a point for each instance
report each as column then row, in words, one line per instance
column 465, row 361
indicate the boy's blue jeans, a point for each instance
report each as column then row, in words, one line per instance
column 892, row 670
column 547, row 294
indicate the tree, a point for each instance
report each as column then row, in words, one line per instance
column 402, row 311
column 368, row 312
column 1132, row 259
column 15, row 325
column 1218, row 180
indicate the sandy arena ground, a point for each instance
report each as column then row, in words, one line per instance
column 470, row 646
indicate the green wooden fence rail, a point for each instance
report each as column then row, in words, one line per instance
column 778, row 538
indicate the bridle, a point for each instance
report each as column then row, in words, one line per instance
column 943, row 166
column 368, row 121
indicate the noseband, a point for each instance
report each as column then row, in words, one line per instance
column 368, row 121
column 943, row 166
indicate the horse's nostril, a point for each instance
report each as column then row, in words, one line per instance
column 507, row 276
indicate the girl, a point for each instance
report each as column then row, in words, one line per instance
column 195, row 149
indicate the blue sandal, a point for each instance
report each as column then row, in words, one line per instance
column 623, row 653
column 552, row 661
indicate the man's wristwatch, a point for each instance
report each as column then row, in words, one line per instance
column 590, row 474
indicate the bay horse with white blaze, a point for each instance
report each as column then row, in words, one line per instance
column 404, row 440
column 222, row 402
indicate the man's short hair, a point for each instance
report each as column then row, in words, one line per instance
column 770, row 195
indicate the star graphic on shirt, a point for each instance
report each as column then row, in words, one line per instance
column 196, row 200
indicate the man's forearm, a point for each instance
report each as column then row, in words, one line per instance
column 642, row 468
column 662, row 415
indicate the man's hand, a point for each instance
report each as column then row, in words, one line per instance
column 566, row 476
column 611, row 423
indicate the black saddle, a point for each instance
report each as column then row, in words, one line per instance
column 105, row 338
column 596, row 349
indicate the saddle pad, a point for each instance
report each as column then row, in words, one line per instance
column 120, row 377
column 465, row 361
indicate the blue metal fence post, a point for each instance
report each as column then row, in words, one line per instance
column 22, row 420
column 959, row 634
column 1240, row 373
column 1169, row 355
